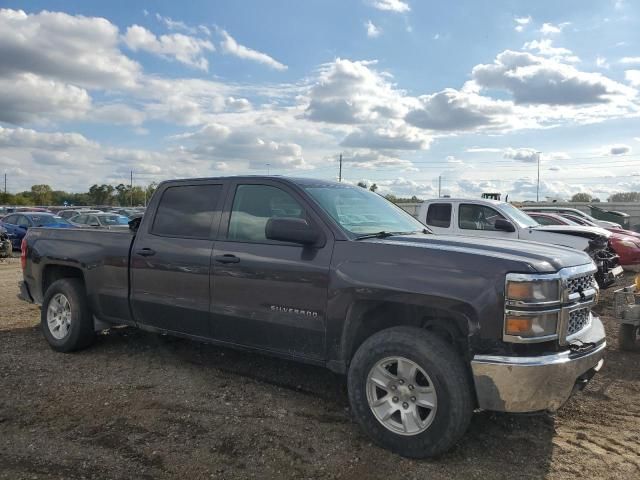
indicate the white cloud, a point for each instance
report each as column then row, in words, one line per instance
column 397, row 6
column 396, row 135
column 601, row 62
column 526, row 155
column 231, row 47
column 545, row 48
column 633, row 77
column 538, row 80
column 72, row 49
column 521, row 23
column 183, row 48
column 28, row 138
column 630, row 60
column 372, row 30
column 28, row 98
column 118, row 114
column 242, row 144
column 458, row 110
column 551, row 29
column 372, row 159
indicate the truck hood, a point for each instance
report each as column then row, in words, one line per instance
column 541, row 257
column 577, row 230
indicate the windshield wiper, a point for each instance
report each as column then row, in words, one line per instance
column 382, row 234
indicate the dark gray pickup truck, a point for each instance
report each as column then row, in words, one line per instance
column 428, row 328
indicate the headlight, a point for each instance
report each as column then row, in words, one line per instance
column 531, row 325
column 522, row 291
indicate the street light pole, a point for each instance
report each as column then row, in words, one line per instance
column 538, row 187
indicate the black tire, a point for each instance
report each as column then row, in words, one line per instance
column 81, row 333
column 628, row 337
column 450, row 377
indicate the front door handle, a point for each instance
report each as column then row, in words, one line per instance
column 145, row 252
column 226, row 258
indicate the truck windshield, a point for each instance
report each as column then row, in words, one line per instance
column 362, row 212
column 518, row 216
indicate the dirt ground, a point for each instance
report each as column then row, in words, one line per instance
column 138, row 405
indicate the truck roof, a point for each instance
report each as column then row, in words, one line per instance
column 479, row 200
column 302, row 181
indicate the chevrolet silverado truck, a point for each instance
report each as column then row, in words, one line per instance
column 426, row 328
column 494, row 219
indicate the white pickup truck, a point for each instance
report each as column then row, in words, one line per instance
column 495, row 219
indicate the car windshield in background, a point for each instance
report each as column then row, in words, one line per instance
column 520, row 217
column 114, row 220
column 44, row 220
column 362, row 212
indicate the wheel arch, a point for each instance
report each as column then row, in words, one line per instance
column 449, row 320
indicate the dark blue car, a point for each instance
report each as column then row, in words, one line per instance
column 17, row 224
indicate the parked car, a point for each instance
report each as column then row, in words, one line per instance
column 100, row 220
column 626, row 246
column 572, row 211
column 72, row 212
column 17, row 224
column 586, row 222
column 494, row 219
column 427, row 328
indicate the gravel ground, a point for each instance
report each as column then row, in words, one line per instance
column 138, row 405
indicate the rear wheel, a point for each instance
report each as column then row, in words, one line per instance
column 628, row 337
column 65, row 316
column 410, row 391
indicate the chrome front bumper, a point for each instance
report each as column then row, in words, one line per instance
column 529, row 384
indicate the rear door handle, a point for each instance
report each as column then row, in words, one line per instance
column 226, row 258
column 145, row 252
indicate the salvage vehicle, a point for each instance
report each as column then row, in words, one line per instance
column 625, row 243
column 427, row 328
column 494, row 219
column 100, row 220
column 573, row 211
column 17, row 224
column 5, row 243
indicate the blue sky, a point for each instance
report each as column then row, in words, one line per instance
column 406, row 90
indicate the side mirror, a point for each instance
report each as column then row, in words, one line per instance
column 504, row 225
column 294, row 230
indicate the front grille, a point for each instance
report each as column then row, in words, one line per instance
column 578, row 319
column 578, row 284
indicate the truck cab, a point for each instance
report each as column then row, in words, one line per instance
column 487, row 218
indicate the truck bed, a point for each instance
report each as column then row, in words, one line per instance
column 103, row 256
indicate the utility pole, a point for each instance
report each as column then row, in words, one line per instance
column 439, row 185
column 538, row 187
column 131, row 191
column 5, row 183
column 340, row 171
column 268, row 165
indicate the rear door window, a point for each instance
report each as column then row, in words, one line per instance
column 439, row 215
column 23, row 221
column 187, row 211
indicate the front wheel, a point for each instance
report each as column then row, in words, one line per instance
column 410, row 391
column 65, row 316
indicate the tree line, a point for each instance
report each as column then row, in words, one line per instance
column 621, row 197
column 118, row 195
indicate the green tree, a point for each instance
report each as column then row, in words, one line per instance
column 101, row 194
column 373, row 187
column 362, row 184
column 581, row 197
column 41, row 194
column 625, row 197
